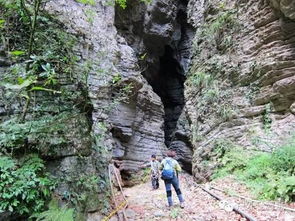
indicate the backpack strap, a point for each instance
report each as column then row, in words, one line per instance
column 169, row 162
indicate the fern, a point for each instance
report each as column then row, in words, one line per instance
column 55, row 213
column 269, row 175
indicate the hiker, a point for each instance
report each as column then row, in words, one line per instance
column 155, row 172
column 170, row 169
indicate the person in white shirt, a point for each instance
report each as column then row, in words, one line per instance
column 155, row 172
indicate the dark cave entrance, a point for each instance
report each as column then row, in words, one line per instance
column 162, row 42
column 169, row 85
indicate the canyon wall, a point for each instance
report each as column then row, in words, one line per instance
column 194, row 76
column 241, row 88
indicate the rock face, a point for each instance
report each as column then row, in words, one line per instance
column 241, row 86
column 161, row 38
column 241, row 89
column 137, row 64
column 287, row 7
column 129, row 112
column 127, row 117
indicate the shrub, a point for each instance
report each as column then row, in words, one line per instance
column 15, row 135
column 200, row 79
column 232, row 161
column 269, row 175
column 55, row 213
column 225, row 111
column 218, row 31
column 24, row 186
column 284, row 158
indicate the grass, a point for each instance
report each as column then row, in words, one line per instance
column 175, row 212
column 142, row 176
column 200, row 79
column 268, row 175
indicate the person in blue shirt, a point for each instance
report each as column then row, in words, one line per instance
column 174, row 165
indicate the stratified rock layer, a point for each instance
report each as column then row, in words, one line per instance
column 253, row 78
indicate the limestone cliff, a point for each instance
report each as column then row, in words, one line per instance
column 194, row 76
column 241, row 89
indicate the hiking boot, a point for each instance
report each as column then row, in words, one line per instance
column 169, row 207
column 182, row 205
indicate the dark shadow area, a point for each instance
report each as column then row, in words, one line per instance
column 168, row 84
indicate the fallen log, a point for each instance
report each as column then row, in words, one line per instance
column 255, row 201
column 236, row 209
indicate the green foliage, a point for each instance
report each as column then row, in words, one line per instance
column 233, row 161
column 52, row 61
column 218, row 31
column 15, row 135
column 116, row 79
column 84, row 191
column 200, row 79
column 84, row 185
column 141, row 176
column 222, row 21
column 90, row 13
column 17, row 53
column 121, row 90
column 211, row 95
column 175, row 212
column 221, row 146
column 269, row 175
column 252, row 91
column 86, row 2
column 24, row 186
column 146, row 174
column 226, row 111
column 284, row 158
column 121, row 3
column 147, row 1
column 55, row 213
column 52, row 81
column 2, row 23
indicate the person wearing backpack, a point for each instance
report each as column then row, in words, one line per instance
column 170, row 169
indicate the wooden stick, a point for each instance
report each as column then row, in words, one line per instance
column 118, row 181
column 255, row 201
column 121, row 189
column 113, row 194
column 236, row 209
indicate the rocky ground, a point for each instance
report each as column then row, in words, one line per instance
column 146, row 204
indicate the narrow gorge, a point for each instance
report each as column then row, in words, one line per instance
column 90, row 83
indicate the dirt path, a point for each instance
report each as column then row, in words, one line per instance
column 146, row 204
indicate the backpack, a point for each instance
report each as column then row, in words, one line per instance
column 168, row 171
